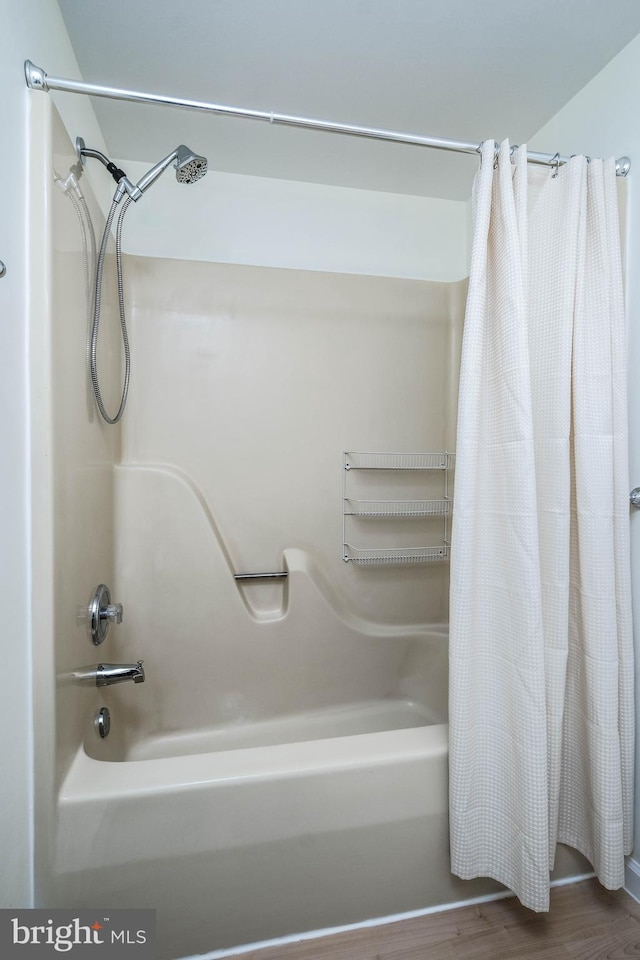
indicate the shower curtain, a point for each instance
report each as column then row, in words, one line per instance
column 541, row 672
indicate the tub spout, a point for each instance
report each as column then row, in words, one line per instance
column 108, row 673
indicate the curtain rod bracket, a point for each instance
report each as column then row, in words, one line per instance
column 35, row 76
column 623, row 165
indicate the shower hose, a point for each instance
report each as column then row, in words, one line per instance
column 97, row 303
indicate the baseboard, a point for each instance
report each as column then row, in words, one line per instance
column 377, row 922
column 632, row 878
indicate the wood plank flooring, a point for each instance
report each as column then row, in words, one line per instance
column 586, row 922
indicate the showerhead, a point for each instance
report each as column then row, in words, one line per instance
column 189, row 166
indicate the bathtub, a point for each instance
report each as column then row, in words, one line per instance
column 247, row 832
column 248, row 844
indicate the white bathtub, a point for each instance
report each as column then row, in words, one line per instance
column 242, row 832
column 247, row 844
column 235, row 837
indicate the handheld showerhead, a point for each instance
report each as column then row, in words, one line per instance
column 189, row 168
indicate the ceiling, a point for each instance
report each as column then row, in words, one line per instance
column 458, row 69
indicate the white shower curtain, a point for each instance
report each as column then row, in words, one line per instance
column 541, row 671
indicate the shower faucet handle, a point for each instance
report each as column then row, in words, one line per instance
column 102, row 613
column 112, row 612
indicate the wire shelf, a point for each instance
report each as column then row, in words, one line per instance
column 398, row 461
column 353, row 507
column 395, row 556
column 397, row 508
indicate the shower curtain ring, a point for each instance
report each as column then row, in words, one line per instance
column 512, row 152
column 496, row 156
column 555, row 161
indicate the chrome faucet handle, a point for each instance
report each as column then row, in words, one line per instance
column 112, row 612
column 102, row 613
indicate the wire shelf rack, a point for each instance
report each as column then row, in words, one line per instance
column 397, row 461
column 397, row 508
column 391, row 509
column 394, row 556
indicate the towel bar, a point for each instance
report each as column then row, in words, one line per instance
column 279, row 575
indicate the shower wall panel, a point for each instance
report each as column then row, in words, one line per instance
column 253, row 381
column 248, row 384
column 73, row 459
column 84, row 448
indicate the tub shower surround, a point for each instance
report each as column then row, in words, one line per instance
column 284, row 765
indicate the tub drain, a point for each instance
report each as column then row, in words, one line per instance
column 103, row 722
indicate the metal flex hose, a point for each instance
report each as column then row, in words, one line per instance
column 95, row 328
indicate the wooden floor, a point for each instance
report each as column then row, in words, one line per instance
column 585, row 922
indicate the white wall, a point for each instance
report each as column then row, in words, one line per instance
column 600, row 121
column 31, row 29
column 229, row 218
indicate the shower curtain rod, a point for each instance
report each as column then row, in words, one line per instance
column 37, row 79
